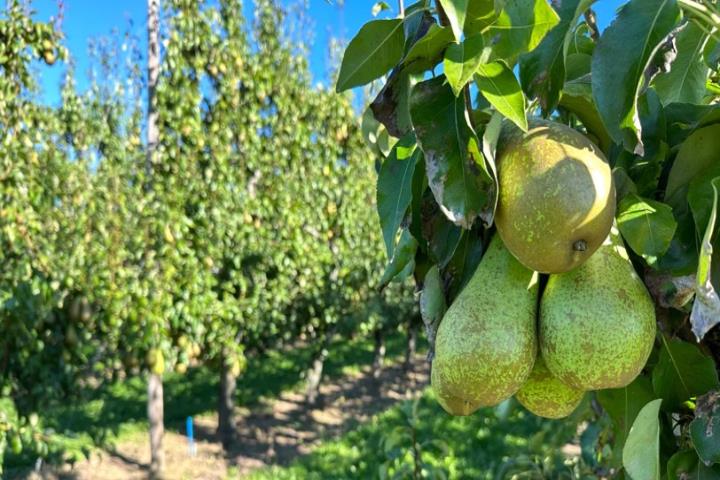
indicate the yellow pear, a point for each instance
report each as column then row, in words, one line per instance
column 556, row 199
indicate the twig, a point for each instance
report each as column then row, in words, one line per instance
column 401, row 7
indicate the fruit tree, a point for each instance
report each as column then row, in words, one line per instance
column 553, row 188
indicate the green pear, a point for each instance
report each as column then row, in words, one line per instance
column 546, row 396
column 486, row 343
column 597, row 322
column 556, row 201
column 450, row 403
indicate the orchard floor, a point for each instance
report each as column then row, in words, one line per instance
column 274, row 432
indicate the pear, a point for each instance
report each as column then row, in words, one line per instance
column 450, row 403
column 597, row 322
column 556, row 200
column 486, row 343
column 546, row 396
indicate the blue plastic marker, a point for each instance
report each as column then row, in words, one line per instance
column 191, row 439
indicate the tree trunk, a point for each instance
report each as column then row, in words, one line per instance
column 378, row 354
column 314, row 374
column 153, row 75
column 155, row 408
column 155, row 387
column 411, row 346
column 226, row 404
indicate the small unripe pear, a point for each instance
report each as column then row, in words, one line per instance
column 546, row 396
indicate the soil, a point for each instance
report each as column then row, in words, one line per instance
column 274, row 433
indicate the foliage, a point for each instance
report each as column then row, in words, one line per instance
column 246, row 230
column 644, row 90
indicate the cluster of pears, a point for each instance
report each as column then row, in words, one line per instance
column 593, row 325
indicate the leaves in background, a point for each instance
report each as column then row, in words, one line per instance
column 685, row 82
column 394, row 186
column 621, row 56
column 455, row 167
column 542, row 71
column 647, row 225
column 641, row 454
column 462, row 60
column 682, row 372
column 520, row 27
column 376, row 48
column 499, row 86
column 706, row 308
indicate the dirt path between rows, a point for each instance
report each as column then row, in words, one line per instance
column 274, row 433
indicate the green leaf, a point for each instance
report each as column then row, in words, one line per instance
column 462, row 60
column 701, row 196
column 682, row 372
column 455, row 167
column 402, row 262
column 647, row 225
column 706, row 308
column 623, row 405
column 442, row 236
column 583, row 107
column 685, row 82
column 462, row 265
column 432, row 302
column 705, row 428
column 499, row 86
column 394, row 189
column 491, row 135
column 391, row 106
column 697, row 155
column 621, row 56
column 376, row 48
column 641, row 455
column 542, row 71
column 520, row 27
column 685, row 465
column 417, row 22
column 480, row 15
column 456, row 10
column 428, row 51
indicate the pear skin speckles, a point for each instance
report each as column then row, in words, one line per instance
column 486, row 343
column 450, row 403
column 546, row 396
column 555, row 190
column 597, row 322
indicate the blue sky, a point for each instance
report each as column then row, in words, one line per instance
column 87, row 19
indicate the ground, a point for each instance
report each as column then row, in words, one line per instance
column 274, row 432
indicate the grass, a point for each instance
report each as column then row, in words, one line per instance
column 117, row 412
column 500, row 443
